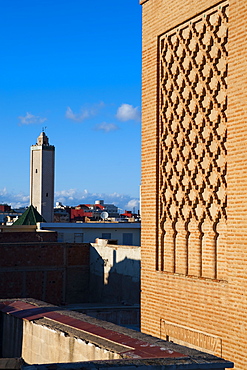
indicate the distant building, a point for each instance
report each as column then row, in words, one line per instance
column 82, row 212
column 130, row 216
column 9, row 215
column 42, row 177
column 99, row 206
column 5, row 208
column 61, row 214
column 120, row 233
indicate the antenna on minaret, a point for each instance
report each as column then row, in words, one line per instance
column 44, row 128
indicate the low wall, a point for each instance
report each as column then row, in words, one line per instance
column 65, row 273
column 54, row 272
column 45, row 342
column 115, row 273
column 8, row 236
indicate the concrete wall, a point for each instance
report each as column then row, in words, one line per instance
column 68, row 232
column 56, row 272
column 42, row 342
column 43, row 345
column 115, row 274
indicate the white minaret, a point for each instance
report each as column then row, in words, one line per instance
column 42, row 177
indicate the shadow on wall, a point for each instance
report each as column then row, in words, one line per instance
column 112, row 281
column 11, row 333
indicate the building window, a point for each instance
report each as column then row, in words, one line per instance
column 127, row 239
column 106, row 235
column 36, row 171
column 46, row 194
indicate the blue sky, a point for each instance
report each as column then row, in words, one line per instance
column 73, row 66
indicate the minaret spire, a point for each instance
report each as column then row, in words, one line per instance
column 42, row 139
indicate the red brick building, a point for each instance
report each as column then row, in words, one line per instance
column 5, row 208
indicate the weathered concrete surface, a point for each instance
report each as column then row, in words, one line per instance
column 47, row 342
column 115, row 273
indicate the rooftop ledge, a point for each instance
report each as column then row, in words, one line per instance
column 51, row 337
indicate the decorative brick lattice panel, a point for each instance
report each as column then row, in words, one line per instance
column 192, row 146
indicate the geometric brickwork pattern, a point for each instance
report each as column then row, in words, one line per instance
column 192, row 146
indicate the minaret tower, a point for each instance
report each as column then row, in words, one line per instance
column 42, row 177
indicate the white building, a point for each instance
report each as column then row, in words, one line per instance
column 124, row 233
column 42, row 160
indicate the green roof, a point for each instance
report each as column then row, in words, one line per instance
column 30, row 217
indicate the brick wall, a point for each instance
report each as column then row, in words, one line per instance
column 27, row 236
column 193, row 245
column 54, row 272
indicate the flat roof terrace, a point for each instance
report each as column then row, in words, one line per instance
column 43, row 334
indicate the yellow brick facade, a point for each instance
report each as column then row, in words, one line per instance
column 194, row 245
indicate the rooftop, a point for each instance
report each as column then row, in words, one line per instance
column 127, row 347
column 30, row 217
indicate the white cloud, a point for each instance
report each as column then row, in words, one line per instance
column 133, row 203
column 78, row 117
column 69, row 195
column 106, row 127
column 3, row 191
column 29, row 118
column 84, row 112
column 127, row 112
column 14, row 200
column 73, row 197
